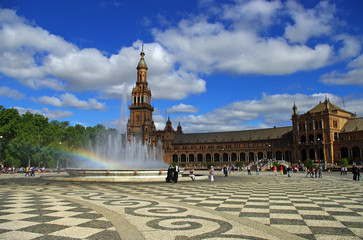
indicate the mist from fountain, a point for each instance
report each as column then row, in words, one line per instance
column 111, row 150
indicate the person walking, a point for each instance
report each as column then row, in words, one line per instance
column 257, row 173
column 249, row 170
column 27, row 171
column 288, row 171
column 320, row 171
column 316, row 172
column 225, row 170
column 274, row 170
column 356, row 173
column 176, row 172
column 211, row 174
column 169, row 177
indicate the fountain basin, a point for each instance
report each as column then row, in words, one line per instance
column 75, row 172
column 119, row 175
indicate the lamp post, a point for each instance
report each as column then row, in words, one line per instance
column 0, row 149
column 318, row 149
column 58, row 170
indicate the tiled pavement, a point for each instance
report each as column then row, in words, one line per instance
column 234, row 207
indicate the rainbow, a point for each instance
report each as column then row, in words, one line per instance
column 93, row 160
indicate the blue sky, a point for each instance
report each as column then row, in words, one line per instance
column 213, row 65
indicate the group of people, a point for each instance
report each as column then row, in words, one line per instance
column 173, row 173
column 283, row 170
column 317, row 172
column 356, row 173
column 7, row 169
column 29, row 170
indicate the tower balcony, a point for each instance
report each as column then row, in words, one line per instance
column 141, row 106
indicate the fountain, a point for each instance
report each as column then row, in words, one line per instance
column 111, row 157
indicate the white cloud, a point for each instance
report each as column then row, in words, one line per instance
column 240, row 52
column 7, row 92
column 70, row 100
column 351, row 46
column 251, row 14
column 51, row 114
column 183, row 108
column 39, row 59
column 353, row 76
column 269, row 111
column 314, row 22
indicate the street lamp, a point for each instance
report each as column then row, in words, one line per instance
column 318, row 149
column 58, row 170
column 0, row 148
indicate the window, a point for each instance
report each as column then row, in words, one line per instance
column 335, row 124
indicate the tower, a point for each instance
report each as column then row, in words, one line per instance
column 141, row 125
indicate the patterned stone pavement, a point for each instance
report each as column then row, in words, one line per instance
column 233, row 207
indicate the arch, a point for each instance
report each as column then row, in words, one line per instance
column 319, row 137
column 344, row 152
column 356, row 152
column 269, row 155
column 216, row 157
column 234, row 156
column 183, row 158
column 278, row 155
column 242, row 156
column 311, row 138
column 260, row 155
column 288, row 156
column 208, row 157
column 175, row 158
column 303, row 139
column 200, row 157
column 312, row 154
column 225, row 157
column 321, row 154
column 304, row 156
column 251, row 156
column 191, row 157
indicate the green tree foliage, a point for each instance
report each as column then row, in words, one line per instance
column 344, row 162
column 309, row 163
column 33, row 138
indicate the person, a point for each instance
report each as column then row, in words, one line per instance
column 225, row 170
column 345, row 170
column 249, row 170
column 211, row 173
column 320, row 171
column 257, row 173
column 308, row 172
column 288, row 171
column 191, row 174
column 175, row 176
column 356, row 173
column 27, row 171
column 281, row 169
column 274, row 170
column 170, row 174
column 316, row 171
column 342, row 170
column 32, row 171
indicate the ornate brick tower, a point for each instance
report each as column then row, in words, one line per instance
column 141, row 125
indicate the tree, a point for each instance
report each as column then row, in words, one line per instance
column 344, row 162
column 309, row 163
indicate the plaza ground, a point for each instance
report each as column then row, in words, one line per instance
column 234, row 207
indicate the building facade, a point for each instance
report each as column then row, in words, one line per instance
column 326, row 133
